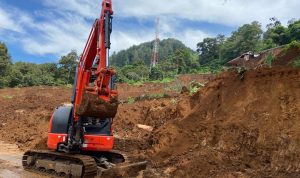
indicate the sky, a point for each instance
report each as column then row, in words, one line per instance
column 41, row 31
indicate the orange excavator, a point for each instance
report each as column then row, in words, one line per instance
column 80, row 139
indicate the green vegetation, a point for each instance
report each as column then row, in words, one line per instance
column 194, row 87
column 215, row 52
column 151, row 96
column 21, row 74
column 8, row 97
column 130, row 100
column 293, row 44
column 270, row 59
column 297, row 62
column 174, row 57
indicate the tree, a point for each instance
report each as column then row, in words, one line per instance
column 67, row 67
column 246, row 38
column 5, row 62
column 276, row 34
column 183, row 60
column 209, row 49
column 49, row 73
column 5, row 59
column 25, row 74
column 156, row 74
column 294, row 30
column 143, row 52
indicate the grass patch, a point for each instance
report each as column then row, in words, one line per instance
column 8, row 97
column 194, row 87
column 69, row 86
column 152, row 96
column 130, row 100
column 297, row 62
column 269, row 60
column 165, row 80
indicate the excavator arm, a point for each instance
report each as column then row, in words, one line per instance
column 94, row 94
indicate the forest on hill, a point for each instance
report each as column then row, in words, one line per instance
column 143, row 52
column 174, row 57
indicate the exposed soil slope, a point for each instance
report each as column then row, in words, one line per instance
column 240, row 125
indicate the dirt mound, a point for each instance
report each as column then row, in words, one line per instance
column 25, row 114
column 240, row 126
column 154, row 113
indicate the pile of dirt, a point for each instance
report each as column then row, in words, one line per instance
column 240, row 125
column 154, row 113
column 25, row 114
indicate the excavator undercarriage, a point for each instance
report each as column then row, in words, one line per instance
column 89, row 165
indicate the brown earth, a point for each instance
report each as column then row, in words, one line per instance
column 25, row 112
column 286, row 58
column 153, row 89
column 281, row 55
column 238, row 125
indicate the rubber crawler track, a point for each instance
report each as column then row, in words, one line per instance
column 88, row 163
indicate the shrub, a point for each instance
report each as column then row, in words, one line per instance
column 293, row 44
column 130, row 100
column 269, row 60
column 297, row 62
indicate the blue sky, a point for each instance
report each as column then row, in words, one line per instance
column 43, row 30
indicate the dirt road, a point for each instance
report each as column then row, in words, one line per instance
column 10, row 162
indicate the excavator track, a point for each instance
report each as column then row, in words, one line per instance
column 54, row 164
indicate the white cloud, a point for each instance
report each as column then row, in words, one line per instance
column 230, row 12
column 65, row 24
column 123, row 40
column 85, row 8
column 8, row 20
column 58, row 36
column 191, row 37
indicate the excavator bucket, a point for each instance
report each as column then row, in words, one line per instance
column 93, row 106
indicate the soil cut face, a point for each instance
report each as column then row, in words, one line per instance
column 240, row 125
